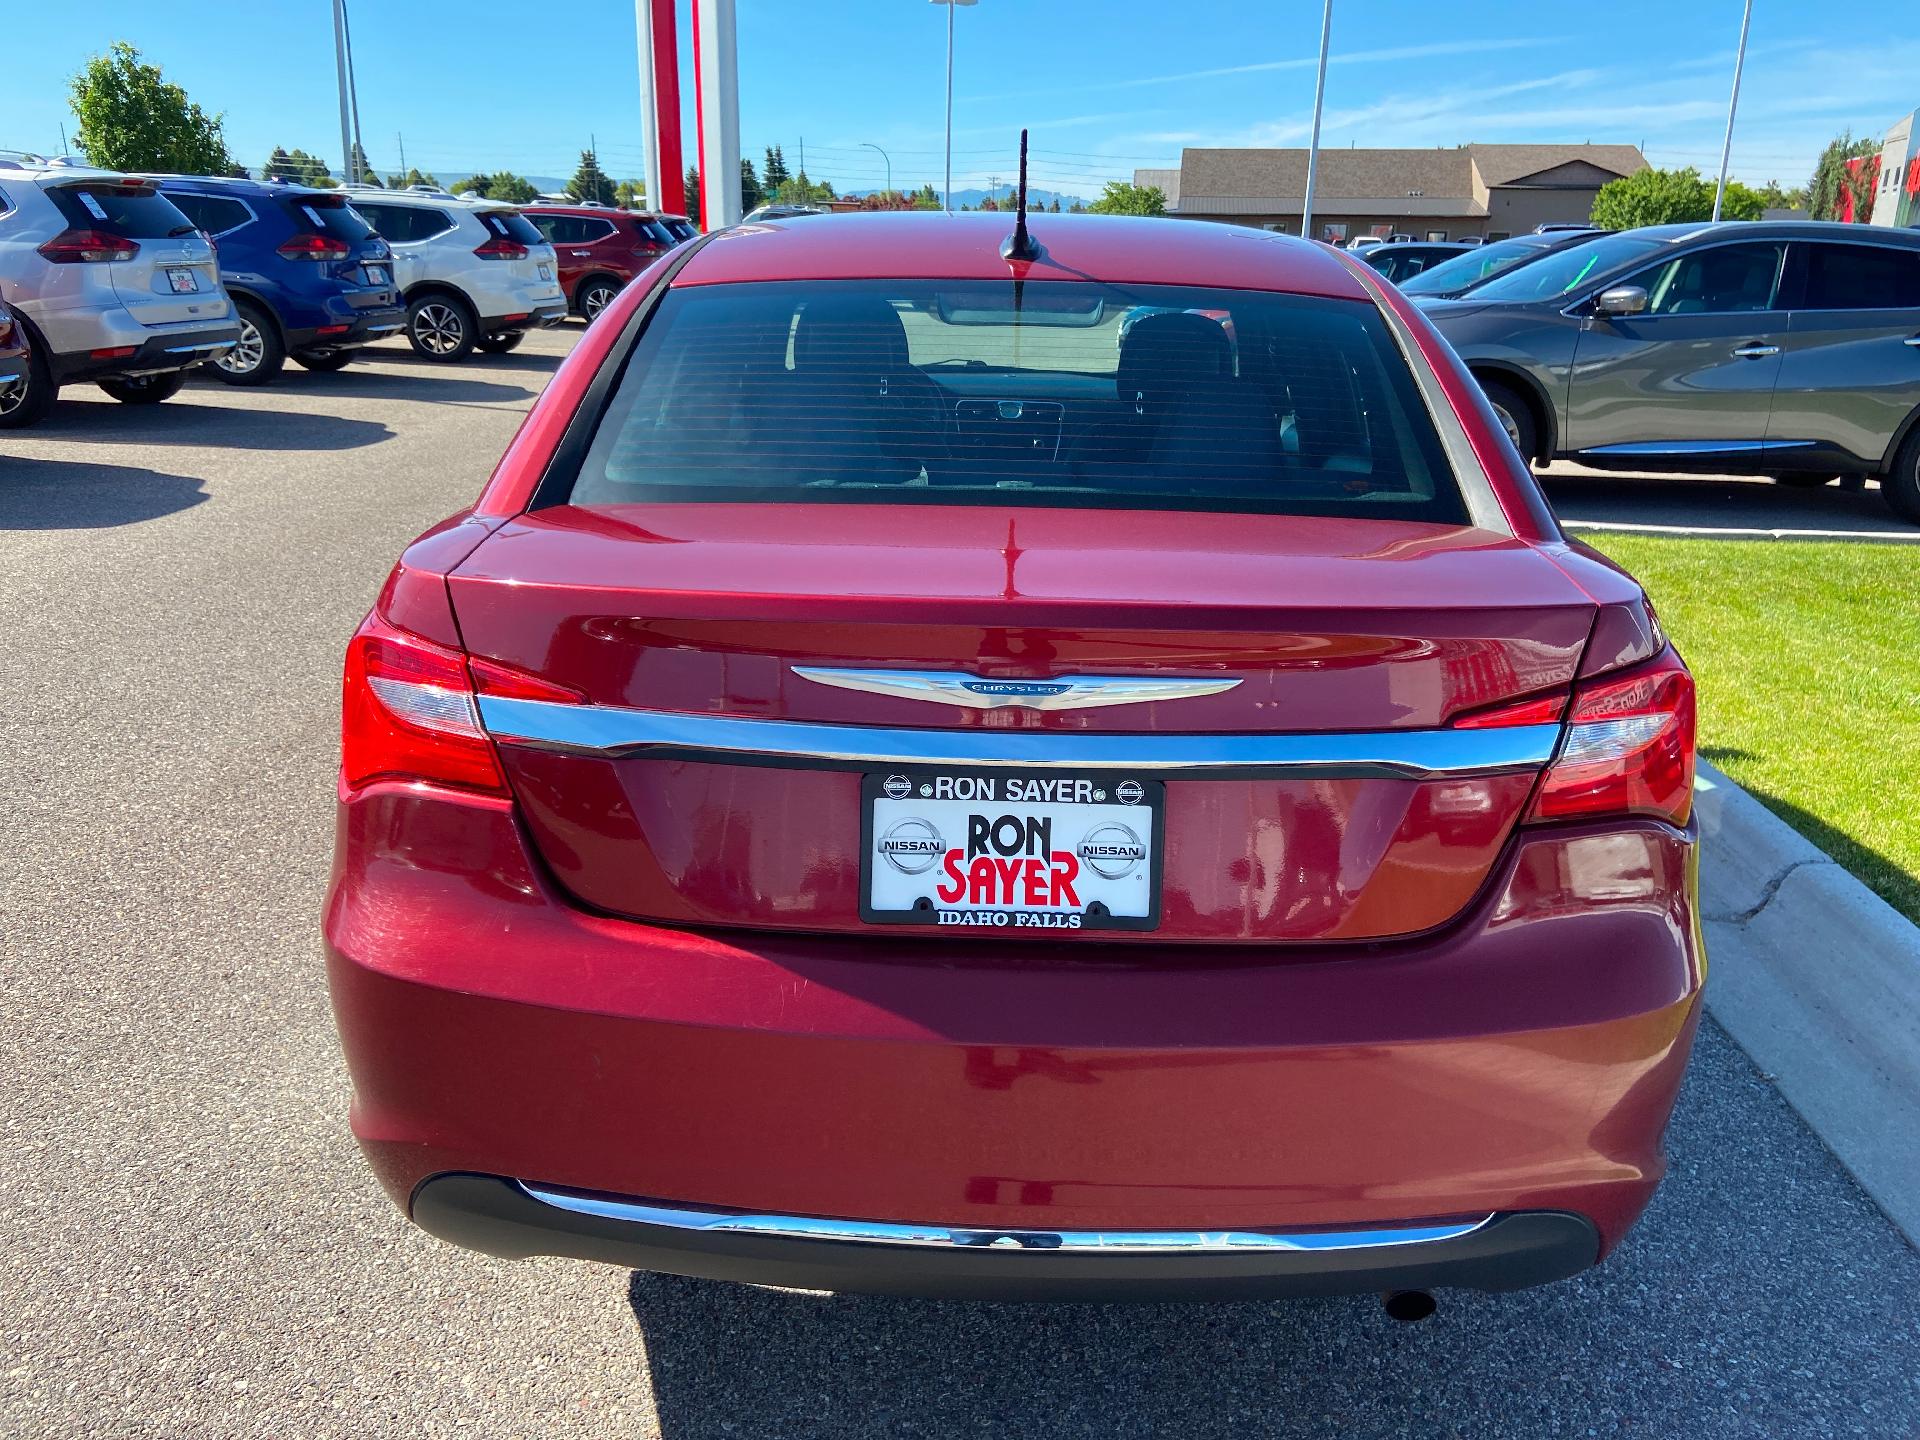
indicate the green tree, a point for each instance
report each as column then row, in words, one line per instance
column 1120, row 198
column 590, row 182
column 362, row 167
column 512, row 188
column 478, row 184
column 1076, row 208
column 1053, row 205
column 415, row 176
column 691, row 196
column 926, row 198
column 1830, row 180
column 1666, row 197
column 299, row 167
column 131, row 119
column 750, row 192
column 631, row 194
column 774, row 173
column 797, row 189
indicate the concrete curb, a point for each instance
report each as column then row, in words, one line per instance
column 1818, row 980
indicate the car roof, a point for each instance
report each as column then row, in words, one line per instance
column 422, row 197
column 931, row 245
column 35, row 167
column 591, row 212
column 1773, row 230
column 1423, row 245
column 237, row 184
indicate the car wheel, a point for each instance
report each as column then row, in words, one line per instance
column 1802, row 481
column 500, row 344
column 258, row 356
column 325, row 361
column 28, row 399
column 594, row 297
column 1901, row 485
column 144, row 389
column 1516, row 418
column 440, row 328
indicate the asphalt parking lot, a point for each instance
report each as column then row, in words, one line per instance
column 195, row 1249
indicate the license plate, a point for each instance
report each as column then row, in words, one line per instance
column 1011, row 850
column 184, row 282
column 546, row 271
column 377, row 274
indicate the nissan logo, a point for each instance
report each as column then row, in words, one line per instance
column 912, row 846
column 1111, row 850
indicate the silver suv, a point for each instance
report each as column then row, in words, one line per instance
column 1787, row 349
column 473, row 273
column 111, row 282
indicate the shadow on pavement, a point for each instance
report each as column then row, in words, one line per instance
column 181, row 422
column 1716, row 502
column 74, row 495
column 447, row 387
column 525, row 361
column 1763, row 1295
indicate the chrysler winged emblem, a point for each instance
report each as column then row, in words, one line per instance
column 978, row 692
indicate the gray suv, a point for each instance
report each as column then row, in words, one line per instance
column 111, row 282
column 1787, row 349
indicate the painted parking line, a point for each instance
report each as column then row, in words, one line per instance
column 1741, row 532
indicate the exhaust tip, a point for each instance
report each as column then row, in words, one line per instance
column 1407, row 1306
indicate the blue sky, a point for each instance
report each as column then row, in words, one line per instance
column 1105, row 85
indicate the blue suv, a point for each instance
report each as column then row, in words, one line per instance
column 308, row 277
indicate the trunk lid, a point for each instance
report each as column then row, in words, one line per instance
column 173, row 277
column 1325, row 627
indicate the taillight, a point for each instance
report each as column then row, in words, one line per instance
column 88, row 247
column 314, row 247
column 501, row 248
column 1628, row 749
column 411, row 710
column 409, row 713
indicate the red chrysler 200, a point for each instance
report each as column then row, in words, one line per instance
column 1086, row 775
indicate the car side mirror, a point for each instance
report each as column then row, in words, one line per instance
column 1620, row 300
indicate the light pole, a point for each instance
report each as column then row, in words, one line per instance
column 340, row 70
column 1313, row 146
column 1733, row 103
column 950, row 4
column 868, row 144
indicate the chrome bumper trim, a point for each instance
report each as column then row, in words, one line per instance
column 204, row 345
column 875, row 1232
column 1384, row 754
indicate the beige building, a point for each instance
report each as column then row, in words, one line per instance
column 1490, row 191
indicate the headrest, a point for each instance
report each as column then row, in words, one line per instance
column 850, row 332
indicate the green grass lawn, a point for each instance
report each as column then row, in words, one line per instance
column 1808, row 661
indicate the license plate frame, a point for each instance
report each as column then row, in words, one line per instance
column 889, row 797
column 377, row 274
column 546, row 271
column 183, row 280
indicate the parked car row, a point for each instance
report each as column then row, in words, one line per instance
column 133, row 280
column 1782, row 349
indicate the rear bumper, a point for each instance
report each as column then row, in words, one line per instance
column 1525, row 1061
column 156, row 355
column 1495, row 1252
column 363, row 328
column 538, row 317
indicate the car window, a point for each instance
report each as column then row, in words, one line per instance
column 1481, row 263
column 1562, row 271
column 1719, row 280
column 138, row 212
column 550, row 226
column 591, row 229
column 5, row 203
column 1066, row 393
column 215, row 214
column 1861, row 277
column 400, row 224
column 328, row 215
column 512, row 225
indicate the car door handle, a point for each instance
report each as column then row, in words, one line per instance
column 584, row 254
column 1913, row 340
column 1757, row 352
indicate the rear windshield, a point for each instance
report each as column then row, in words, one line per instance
column 513, row 225
column 138, row 212
column 327, row 215
column 986, row 392
column 1566, row 270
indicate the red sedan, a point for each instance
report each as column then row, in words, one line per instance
column 1091, row 775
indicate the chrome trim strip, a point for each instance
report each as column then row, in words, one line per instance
column 1483, row 506
column 982, row 692
column 1390, row 754
column 1693, row 447
column 208, row 345
column 944, row 1237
